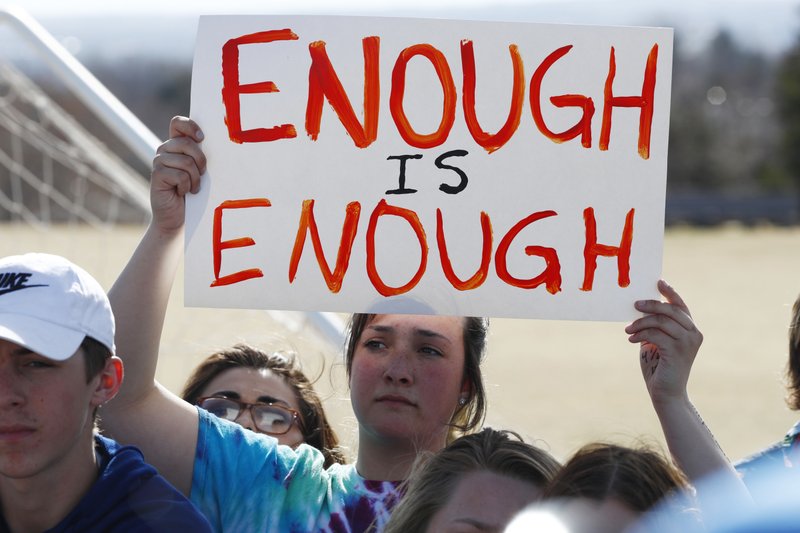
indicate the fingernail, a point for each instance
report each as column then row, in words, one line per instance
column 200, row 135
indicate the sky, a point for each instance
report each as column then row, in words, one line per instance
column 96, row 7
column 85, row 7
column 155, row 26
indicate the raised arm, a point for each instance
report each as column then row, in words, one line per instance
column 669, row 342
column 145, row 414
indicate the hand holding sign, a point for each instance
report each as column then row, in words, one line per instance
column 669, row 343
column 177, row 167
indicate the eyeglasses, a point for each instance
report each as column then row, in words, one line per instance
column 269, row 418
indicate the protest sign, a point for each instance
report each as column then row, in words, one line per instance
column 428, row 166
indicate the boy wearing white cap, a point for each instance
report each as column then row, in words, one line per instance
column 57, row 366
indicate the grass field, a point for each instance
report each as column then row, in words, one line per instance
column 558, row 383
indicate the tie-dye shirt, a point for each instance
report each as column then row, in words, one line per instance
column 244, row 481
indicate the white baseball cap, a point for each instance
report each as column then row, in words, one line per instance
column 48, row 305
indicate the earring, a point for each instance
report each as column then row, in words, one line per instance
column 462, row 402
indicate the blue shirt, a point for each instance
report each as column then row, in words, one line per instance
column 128, row 496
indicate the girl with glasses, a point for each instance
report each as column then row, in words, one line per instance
column 415, row 383
column 266, row 393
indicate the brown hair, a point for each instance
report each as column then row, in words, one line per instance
column 95, row 355
column 793, row 366
column 435, row 476
column 317, row 431
column 468, row 416
column 638, row 477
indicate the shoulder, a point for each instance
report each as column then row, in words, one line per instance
column 117, row 459
column 771, row 454
column 775, row 453
column 129, row 495
column 764, row 470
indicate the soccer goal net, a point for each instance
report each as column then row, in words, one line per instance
column 53, row 170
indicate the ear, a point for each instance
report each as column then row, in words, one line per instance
column 108, row 381
column 466, row 388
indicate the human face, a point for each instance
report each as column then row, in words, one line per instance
column 252, row 385
column 407, row 376
column 46, row 413
column 483, row 502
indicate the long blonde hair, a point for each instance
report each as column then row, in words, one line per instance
column 436, row 475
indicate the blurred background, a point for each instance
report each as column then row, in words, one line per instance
column 735, row 93
column 71, row 184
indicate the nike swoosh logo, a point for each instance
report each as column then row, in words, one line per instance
column 14, row 289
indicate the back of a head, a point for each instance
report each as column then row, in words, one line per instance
column 636, row 477
column 435, row 476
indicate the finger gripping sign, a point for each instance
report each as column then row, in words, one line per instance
column 428, row 166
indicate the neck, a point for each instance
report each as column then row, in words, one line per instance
column 391, row 460
column 39, row 502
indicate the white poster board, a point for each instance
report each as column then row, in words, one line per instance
column 428, row 166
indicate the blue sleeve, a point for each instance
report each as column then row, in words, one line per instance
column 244, row 481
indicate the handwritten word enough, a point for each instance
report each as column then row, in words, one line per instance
column 324, row 84
column 550, row 277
